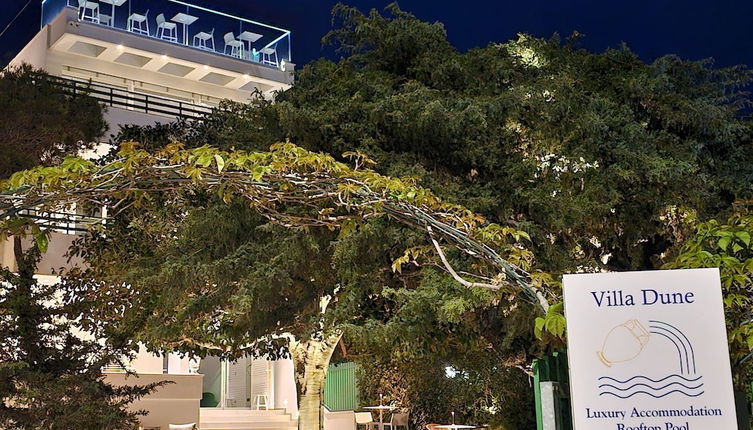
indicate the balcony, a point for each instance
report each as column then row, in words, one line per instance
column 180, row 23
column 132, row 101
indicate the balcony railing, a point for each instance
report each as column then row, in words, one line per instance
column 182, row 23
column 138, row 102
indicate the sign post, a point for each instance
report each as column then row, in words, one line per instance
column 648, row 351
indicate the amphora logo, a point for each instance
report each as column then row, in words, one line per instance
column 673, row 375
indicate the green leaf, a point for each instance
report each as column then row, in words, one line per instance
column 41, row 241
column 557, row 308
column 724, row 242
column 744, row 236
column 555, row 324
column 538, row 327
column 220, row 162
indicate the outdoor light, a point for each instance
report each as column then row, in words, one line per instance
column 206, row 67
column 245, row 76
column 164, row 57
column 120, row 47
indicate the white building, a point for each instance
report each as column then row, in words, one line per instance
column 153, row 61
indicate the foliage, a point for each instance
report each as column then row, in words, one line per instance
column 728, row 247
column 598, row 156
column 553, row 323
column 41, row 122
column 51, row 371
column 288, row 185
column 587, row 152
column 478, row 389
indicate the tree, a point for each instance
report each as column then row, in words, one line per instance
column 591, row 153
column 42, row 122
column 50, row 375
column 248, row 288
column 727, row 245
column 598, row 155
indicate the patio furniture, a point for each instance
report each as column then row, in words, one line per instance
column 186, row 20
column 234, row 46
column 381, row 409
column 398, row 420
column 166, row 30
column 138, row 23
column 364, row 419
column 105, row 19
column 267, row 54
column 113, row 4
column 249, row 37
column 202, row 40
column 88, row 11
column 262, row 402
column 190, row 426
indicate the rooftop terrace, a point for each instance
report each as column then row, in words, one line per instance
column 184, row 24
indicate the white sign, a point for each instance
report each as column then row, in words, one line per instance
column 648, row 351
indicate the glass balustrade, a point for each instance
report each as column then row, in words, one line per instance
column 182, row 23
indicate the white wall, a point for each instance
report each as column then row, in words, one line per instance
column 285, row 393
column 175, row 403
column 34, row 53
column 116, row 117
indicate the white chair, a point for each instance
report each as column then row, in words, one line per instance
column 104, row 19
column 235, row 46
column 397, row 420
column 88, row 11
column 166, row 30
column 138, row 23
column 262, row 402
column 267, row 54
column 364, row 419
column 203, row 40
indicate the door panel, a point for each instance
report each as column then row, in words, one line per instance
column 237, row 395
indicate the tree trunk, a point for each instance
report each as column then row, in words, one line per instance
column 311, row 360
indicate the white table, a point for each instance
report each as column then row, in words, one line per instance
column 381, row 409
column 113, row 4
column 186, row 20
column 249, row 37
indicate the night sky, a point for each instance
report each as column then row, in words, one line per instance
column 693, row 29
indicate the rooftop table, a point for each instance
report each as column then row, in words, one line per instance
column 186, row 20
column 113, row 4
column 381, row 409
column 249, row 37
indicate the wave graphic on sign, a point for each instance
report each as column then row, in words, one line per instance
column 656, row 388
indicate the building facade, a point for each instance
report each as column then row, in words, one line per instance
column 149, row 62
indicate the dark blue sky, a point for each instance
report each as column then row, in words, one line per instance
column 693, row 29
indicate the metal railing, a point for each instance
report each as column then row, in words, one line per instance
column 66, row 222
column 185, row 24
column 124, row 99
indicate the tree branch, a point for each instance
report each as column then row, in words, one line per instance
column 452, row 271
